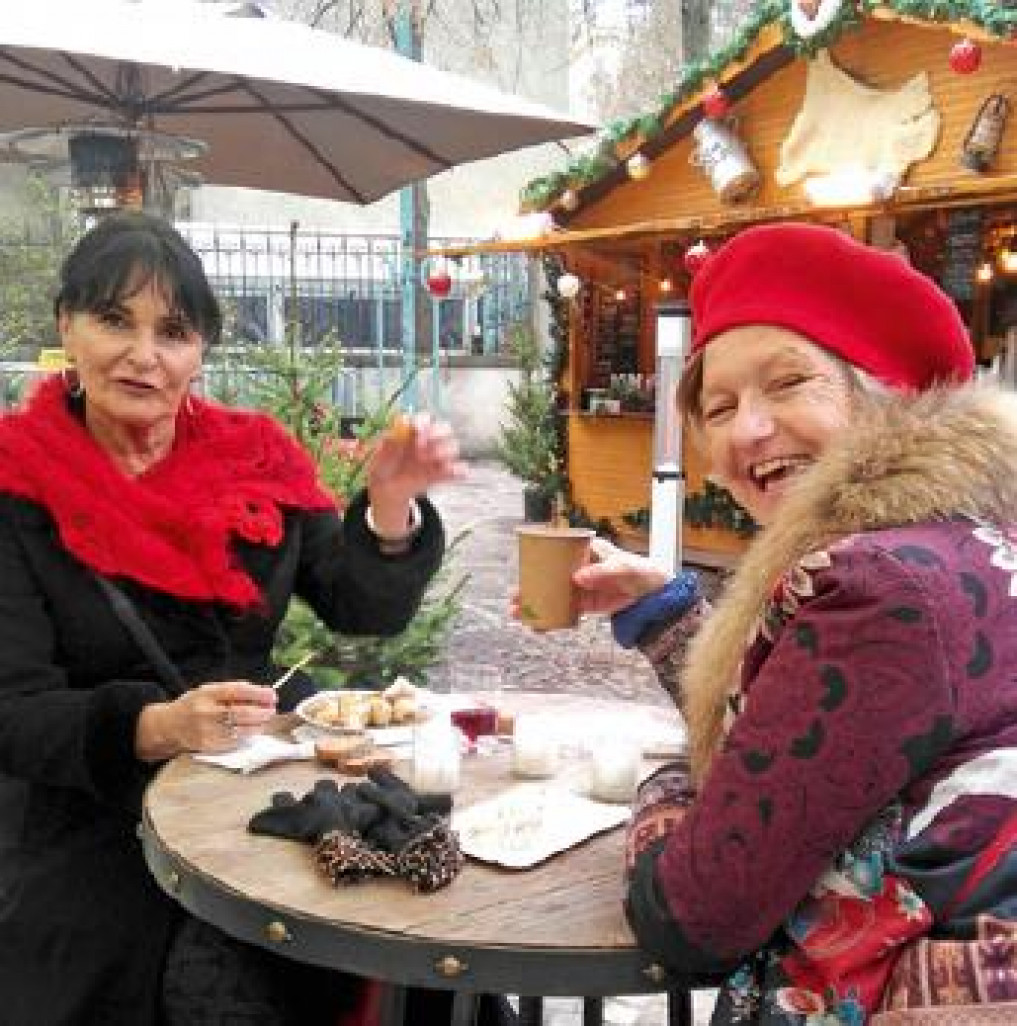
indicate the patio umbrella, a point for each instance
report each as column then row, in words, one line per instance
column 256, row 102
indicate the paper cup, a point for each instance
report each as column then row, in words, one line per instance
column 548, row 557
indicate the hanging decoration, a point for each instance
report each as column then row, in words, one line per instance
column 696, row 256
column 982, row 141
column 965, row 57
column 844, row 123
column 810, row 17
column 638, row 167
column 439, row 281
column 724, row 159
column 997, row 20
column 568, row 286
column 716, row 103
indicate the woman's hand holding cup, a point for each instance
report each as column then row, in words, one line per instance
column 610, row 579
column 614, row 578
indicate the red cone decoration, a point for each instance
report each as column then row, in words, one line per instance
column 695, row 256
column 715, row 103
column 439, row 283
column 965, row 57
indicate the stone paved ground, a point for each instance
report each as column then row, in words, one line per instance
column 488, row 506
column 488, row 650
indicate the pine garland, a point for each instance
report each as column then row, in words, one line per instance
column 998, row 18
column 557, row 360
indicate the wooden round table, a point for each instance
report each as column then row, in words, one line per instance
column 553, row 929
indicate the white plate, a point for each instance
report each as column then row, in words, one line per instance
column 665, row 748
column 306, row 710
column 531, row 822
column 397, row 734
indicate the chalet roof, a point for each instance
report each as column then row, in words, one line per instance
column 767, row 42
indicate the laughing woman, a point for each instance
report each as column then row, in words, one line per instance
column 120, row 489
column 844, row 842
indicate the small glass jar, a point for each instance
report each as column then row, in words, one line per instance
column 436, row 756
column 535, row 747
column 614, row 769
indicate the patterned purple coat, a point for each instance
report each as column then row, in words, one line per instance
column 857, row 788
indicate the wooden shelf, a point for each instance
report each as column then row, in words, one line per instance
column 624, row 415
column 639, row 542
column 705, row 557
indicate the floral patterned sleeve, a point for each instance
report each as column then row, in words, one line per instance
column 665, row 644
column 851, row 700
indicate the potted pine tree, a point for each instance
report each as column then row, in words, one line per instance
column 528, row 442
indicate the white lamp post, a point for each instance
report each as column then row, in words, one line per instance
column 673, row 334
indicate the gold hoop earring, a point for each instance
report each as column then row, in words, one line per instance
column 72, row 382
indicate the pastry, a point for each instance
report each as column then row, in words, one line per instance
column 333, row 750
column 379, row 712
column 358, row 765
column 404, row 710
column 401, row 428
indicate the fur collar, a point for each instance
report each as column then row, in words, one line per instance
column 906, row 461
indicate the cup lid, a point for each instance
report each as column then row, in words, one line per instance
column 548, row 531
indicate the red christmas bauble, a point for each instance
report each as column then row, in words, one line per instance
column 695, row 256
column 439, row 284
column 715, row 103
column 965, row 57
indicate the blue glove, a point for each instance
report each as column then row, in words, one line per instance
column 669, row 603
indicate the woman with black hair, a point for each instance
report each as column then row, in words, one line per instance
column 119, row 487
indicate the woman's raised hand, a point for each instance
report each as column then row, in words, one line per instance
column 411, row 456
column 214, row 717
column 614, row 579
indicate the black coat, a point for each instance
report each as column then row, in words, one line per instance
column 83, row 927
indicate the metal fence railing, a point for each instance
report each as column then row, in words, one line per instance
column 340, row 289
column 351, row 288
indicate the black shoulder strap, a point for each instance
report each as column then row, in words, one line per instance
column 142, row 634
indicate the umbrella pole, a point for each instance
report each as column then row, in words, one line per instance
column 407, row 215
column 407, row 39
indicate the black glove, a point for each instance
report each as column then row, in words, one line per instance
column 426, row 804
column 375, row 827
column 324, row 808
column 403, row 818
column 429, row 860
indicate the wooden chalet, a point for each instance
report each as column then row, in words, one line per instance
column 892, row 121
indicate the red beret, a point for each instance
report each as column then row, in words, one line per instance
column 870, row 307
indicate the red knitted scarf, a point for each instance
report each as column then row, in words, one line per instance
column 229, row 475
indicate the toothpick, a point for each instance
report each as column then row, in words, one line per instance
column 299, row 664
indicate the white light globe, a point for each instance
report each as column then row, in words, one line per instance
column 569, row 286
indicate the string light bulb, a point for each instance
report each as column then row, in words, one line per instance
column 638, row 167
column 568, row 286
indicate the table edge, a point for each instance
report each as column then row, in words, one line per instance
column 398, row 959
